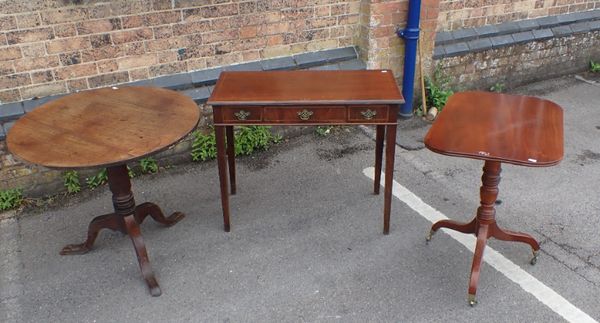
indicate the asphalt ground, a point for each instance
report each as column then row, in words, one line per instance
column 306, row 243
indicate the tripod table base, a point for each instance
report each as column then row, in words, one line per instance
column 126, row 219
column 484, row 226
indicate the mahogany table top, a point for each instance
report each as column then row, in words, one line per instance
column 103, row 127
column 514, row 129
column 306, row 88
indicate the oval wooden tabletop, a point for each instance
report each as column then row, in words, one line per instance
column 514, row 129
column 103, row 127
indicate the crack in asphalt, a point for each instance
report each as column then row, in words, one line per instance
column 410, row 148
column 569, row 249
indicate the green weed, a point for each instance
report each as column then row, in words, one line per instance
column 71, row 181
column 97, row 180
column 594, row 67
column 251, row 138
column 148, row 165
column 437, row 90
column 323, row 130
column 497, row 87
column 247, row 140
column 204, row 147
column 10, row 198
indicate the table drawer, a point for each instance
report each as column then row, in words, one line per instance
column 242, row 114
column 367, row 113
column 307, row 114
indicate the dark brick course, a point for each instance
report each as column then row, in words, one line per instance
column 459, row 42
column 281, row 63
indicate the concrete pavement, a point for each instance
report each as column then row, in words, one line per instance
column 306, row 242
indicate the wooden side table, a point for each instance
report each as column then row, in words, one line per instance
column 496, row 128
column 108, row 128
column 306, row 98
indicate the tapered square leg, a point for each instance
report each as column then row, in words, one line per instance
column 222, row 165
column 390, row 145
column 231, row 157
column 379, row 135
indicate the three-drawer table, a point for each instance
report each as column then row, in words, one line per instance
column 306, row 98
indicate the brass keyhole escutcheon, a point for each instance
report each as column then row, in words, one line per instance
column 368, row 114
column 242, row 115
column 305, row 114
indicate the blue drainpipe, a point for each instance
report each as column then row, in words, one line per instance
column 410, row 36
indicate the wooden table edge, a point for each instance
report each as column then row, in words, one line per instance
column 218, row 104
column 108, row 164
column 492, row 158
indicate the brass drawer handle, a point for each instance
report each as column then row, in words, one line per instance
column 368, row 114
column 305, row 114
column 242, row 115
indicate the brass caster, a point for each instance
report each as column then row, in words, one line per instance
column 534, row 259
column 428, row 238
column 472, row 300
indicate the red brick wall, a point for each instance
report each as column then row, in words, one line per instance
column 60, row 46
column 379, row 45
column 457, row 14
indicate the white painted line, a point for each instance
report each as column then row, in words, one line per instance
column 530, row 284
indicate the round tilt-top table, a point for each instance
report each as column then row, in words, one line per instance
column 496, row 128
column 108, row 128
